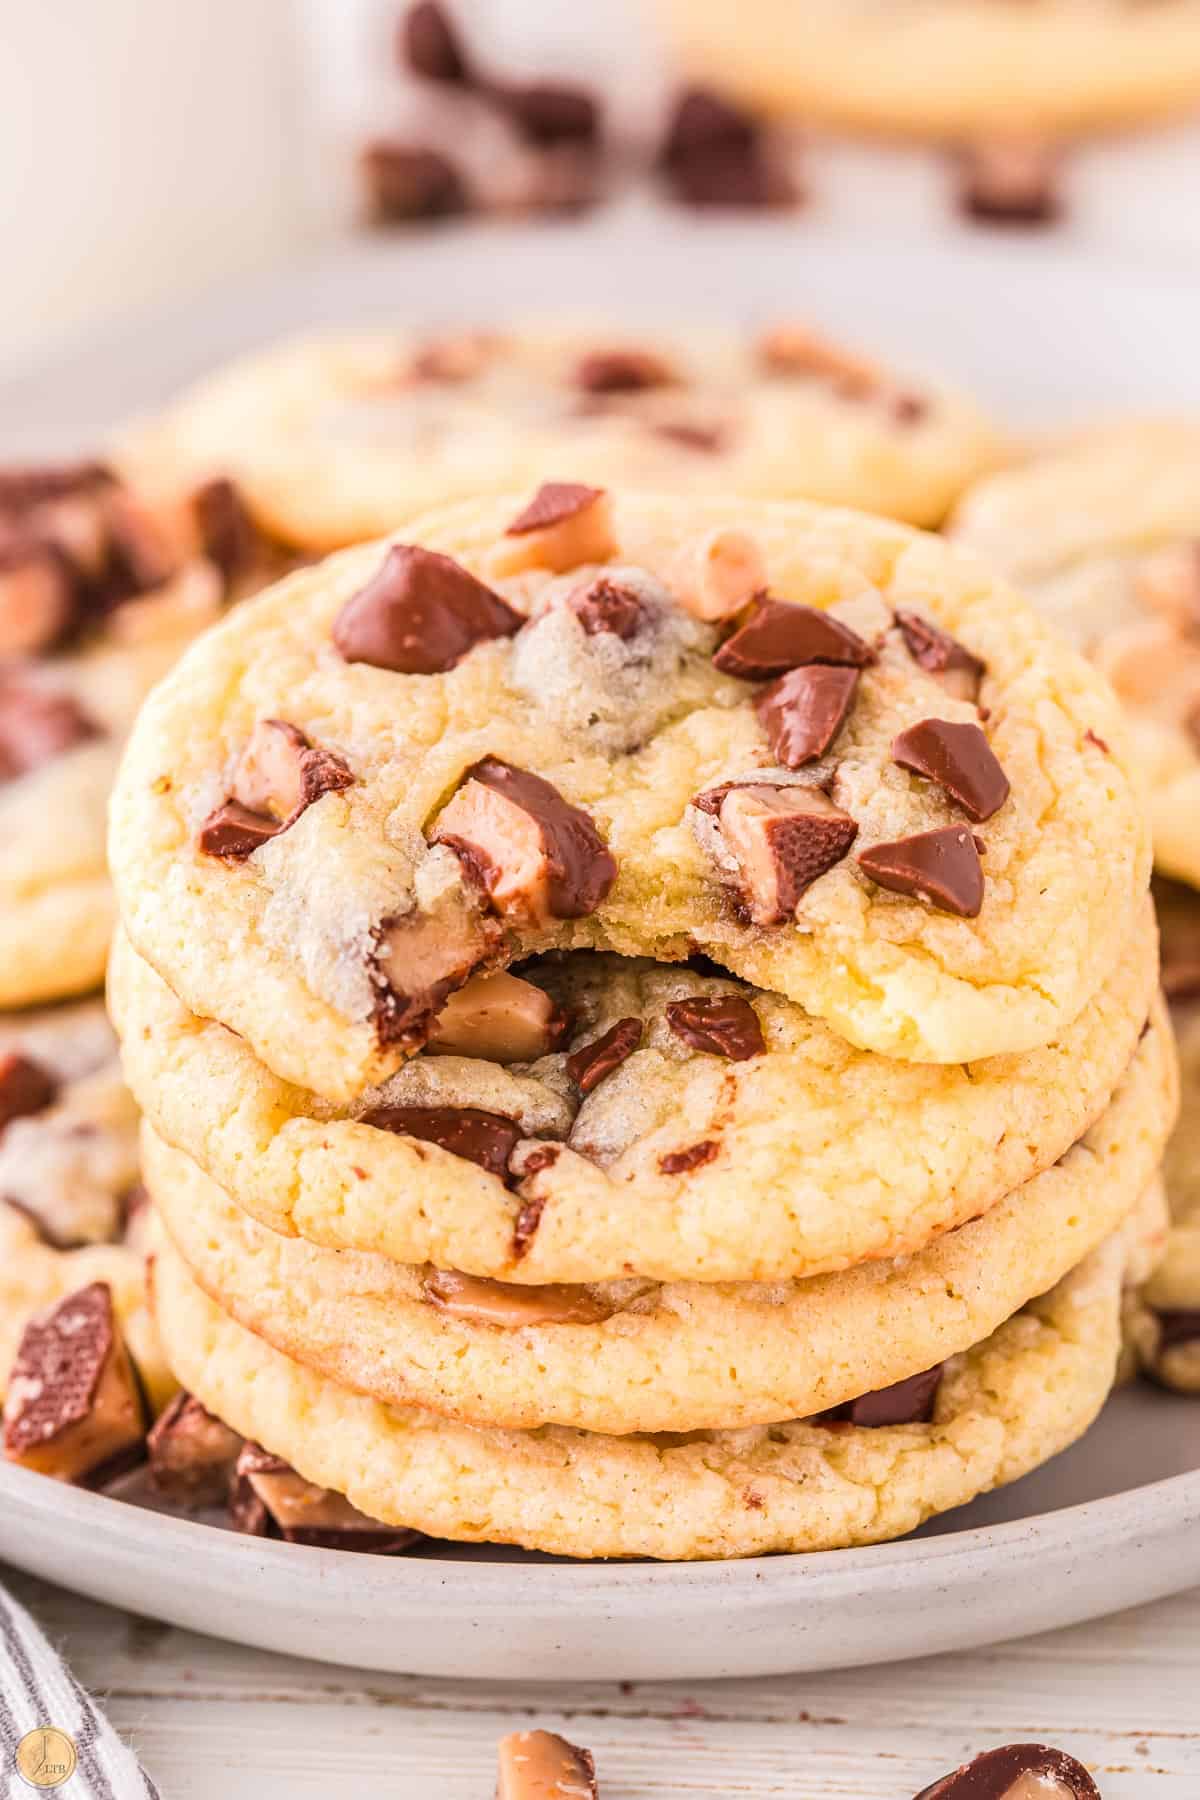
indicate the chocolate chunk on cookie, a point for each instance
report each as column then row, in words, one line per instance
column 722, row 1025
column 420, row 614
column 959, row 759
column 480, row 1137
column 935, row 651
column 589, row 1065
column 73, row 1408
column 776, row 636
column 781, row 840
column 941, row 866
column 804, row 710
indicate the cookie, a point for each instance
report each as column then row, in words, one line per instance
column 336, row 439
column 951, row 68
column 99, row 592
column 1104, row 538
column 635, row 1355
column 526, row 732
column 998, row 1411
column 642, row 1151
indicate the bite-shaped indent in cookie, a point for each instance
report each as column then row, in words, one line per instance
column 773, row 841
column 73, row 1408
column 420, row 614
column 959, row 759
column 540, row 1765
column 909, row 1402
column 776, row 636
column 39, row 597
column 481, row 1301
column 278, row 776
column 713, row 576
column 721, row 1025
column 192, row 1454
column 804, row 710
column 934, row 650
column 537, row 857
column 603, row 658
column 1016, row 1772
column 940, row 866
column 565, row 525
column 268, row 1496
column 499, row 1018
column 37, row 725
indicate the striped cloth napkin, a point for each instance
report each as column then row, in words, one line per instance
column 37, row 1689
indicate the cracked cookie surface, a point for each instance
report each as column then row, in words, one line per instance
column 816, row 1155
column 539, row 783
column 634, row 1355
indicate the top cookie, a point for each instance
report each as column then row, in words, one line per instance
column 821, row 749
column 1104, row 537
column 340, row 438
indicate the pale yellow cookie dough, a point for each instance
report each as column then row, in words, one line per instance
column 282, row 947
column 680, row 1357
column 828, row 1155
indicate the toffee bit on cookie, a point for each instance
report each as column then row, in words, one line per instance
column 268, row 1496
column 37, row 725
column 682, row 1162
column 588, row 1066
column 232, row 832
column 1016, row 1772
column 715, row 575
column 428, row 44
column 537, row 857
column 499, row 1018
column 192, row 1454
column 420, row 614
column 720, row 1024
column 606, row 606
column 776, row 636
column 959, row 759
column 564, row 525
column 940, row 866
column 26, row 1087
column 622, row 372
column 481, row 1301
column 909, row 1402
column 935, row 651
column 804, row 710
column 794, row 350
column 485, row 1138
column 540, row 1765
column 782, row 840
column 420, row 959
column 73, row 1408
column 282, row 773
column 1009, row 181
column 39, row 597
column 404, row 182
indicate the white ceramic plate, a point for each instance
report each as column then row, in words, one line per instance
column 1047, row 341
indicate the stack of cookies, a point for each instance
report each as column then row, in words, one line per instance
column 645, row 1011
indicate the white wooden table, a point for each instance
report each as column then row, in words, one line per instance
column 215, row 1722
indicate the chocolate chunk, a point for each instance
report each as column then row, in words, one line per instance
column 942, row 866
column 36, row 726
column 804, row 710
column 21, row 489
column 1009, row 181
column 479, row 1301
column 419, row 961
column 480, row 1137
column 908, row 1402
column 404, row 182
column 682, row 1162
column 547, row 112
column 959, row 759
column 540, row 1765
column 721, row 1024
column 715, row 155
column 536, row 855
column 701, row 121
column 420, row 614
column 281, row 773
column 429, row 45
column 622, row 372
column 26, row 1087
column 554, row 502
column 192, row 1454
column 940, row 654
column 1181, row 1327
column 783, row 839
column 268, row 1495
column 499, row 1018
column 39, row 597
column 228, row 535
column 232, row 832
column 588, row 1065
column 1016, row 1772
column 605, row 605
column 776, row 636
column 73, row 1407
